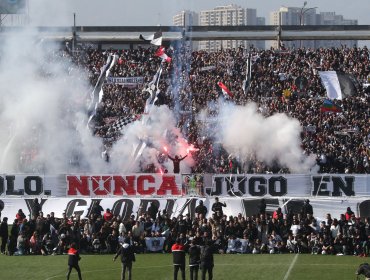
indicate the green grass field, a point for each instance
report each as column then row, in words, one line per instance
column 158, row 266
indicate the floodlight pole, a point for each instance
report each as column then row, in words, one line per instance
column 302, row 14
column 74, row 34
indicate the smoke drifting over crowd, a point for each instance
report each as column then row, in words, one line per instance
column 245, row 133
column 44, row 115
column 44, row 98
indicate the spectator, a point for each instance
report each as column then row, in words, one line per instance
column 126, row 252
column 96, row 210
column 307, row 208
column 20, row 216
column 108, row 216
column 178, row 253
column 194, row 260
column 349, row 213
column 201, row 210
column 262, row 207
column 176, row 163
column 14, row 231
column 73, row 259
column 153, row 210
column 4, row 235
column 206, row 261
column 36, row 208
column 217, row 208
column 277, row 215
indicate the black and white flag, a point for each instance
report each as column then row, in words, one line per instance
column 120, row 123
column 248, row 75
column 98, row 93
column 338, row 85
column 154, row 39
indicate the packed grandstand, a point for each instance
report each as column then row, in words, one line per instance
column 283, row 90
column 189, row 85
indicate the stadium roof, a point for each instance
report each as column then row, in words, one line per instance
column 198, row 33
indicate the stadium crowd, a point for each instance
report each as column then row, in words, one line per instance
column 188, row 85
column 264, row 232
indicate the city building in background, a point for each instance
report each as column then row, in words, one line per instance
column 231, row 15
column 330, row 18
column 308, row 16
column 187, row 19
column 14, row 13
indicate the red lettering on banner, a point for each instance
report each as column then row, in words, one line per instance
column 121, row 185
column 106, row 185
column 168, row 184
column 140, row 184
column 81, row 185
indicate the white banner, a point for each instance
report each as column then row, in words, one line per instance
column 299, row 185
column 141, row 185
column 90, row 185
column 130, row 82
column 154, row 244
column 126, row 207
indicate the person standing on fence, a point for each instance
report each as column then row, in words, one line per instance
column 176, row 163
column 126, row 251
column 178, row 253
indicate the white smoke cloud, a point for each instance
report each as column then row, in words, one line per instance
column 154, row 132
column 245, row 132
column 42, row 101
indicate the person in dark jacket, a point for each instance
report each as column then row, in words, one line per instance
column 73, row 259
column 194, row 260
column 14, row 232
column 206, row 260
column 4, row 234
column 262, row 207
column 217, row 208
column 306, row 208
column 178, row 253
column 36, row 208
column 201, row 209
column 127, row 253
column 96, row 210
column 153, row 210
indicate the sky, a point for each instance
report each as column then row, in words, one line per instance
column 155, row 12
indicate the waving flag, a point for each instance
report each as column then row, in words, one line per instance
column 225, row 91
column 338, row 85
column 248, row 75
column 120, row 123
column 98, row 93
column 154, row 39
column 329, row 106
column 160, row 53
